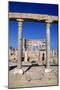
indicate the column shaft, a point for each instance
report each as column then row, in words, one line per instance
column 48, row 45
column 19, row 45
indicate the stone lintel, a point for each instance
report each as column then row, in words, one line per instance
column 32, row 16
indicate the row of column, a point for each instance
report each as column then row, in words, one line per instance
column 20, row 23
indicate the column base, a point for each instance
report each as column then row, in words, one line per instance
column 40, row 63
column 47, row 70
column 18, row 71
column 26, row 63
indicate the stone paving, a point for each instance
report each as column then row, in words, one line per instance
column 34, row 76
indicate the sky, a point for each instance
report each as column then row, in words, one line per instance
column 33, row 30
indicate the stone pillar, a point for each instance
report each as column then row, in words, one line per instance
column 48, row 47
column 26, row 56
column 19, row 45
column 40, row 60
column 19, row 62
column 26, row 52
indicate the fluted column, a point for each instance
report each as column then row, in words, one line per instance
column 48, row 44
column 19, row 63
column 48, row 47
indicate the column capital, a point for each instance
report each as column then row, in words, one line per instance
column 49, row 21
column 48, row 25
column 20, row 20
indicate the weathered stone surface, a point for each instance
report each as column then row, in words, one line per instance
column 33, row 16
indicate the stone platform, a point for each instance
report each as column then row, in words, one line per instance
column 34, row 76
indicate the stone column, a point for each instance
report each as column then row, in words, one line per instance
column 19, row 44
column 26, row 52
column 48, row 47
column 19, row 62
column 40, row 61
column 26, row 56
